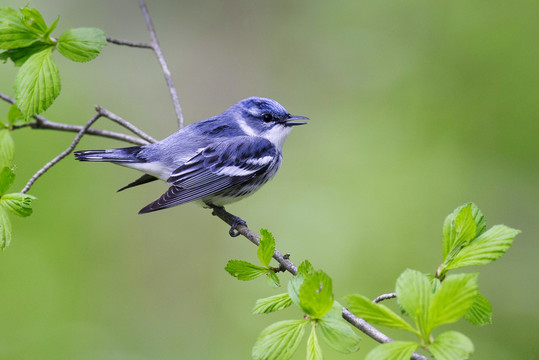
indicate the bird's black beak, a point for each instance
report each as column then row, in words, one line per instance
column 293, row 120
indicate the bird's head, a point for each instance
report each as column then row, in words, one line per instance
column 267, row 118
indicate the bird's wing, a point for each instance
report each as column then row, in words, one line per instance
column 216, row 168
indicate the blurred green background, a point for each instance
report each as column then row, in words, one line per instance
column 416, row 108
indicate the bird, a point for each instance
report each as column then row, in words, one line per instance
column 214, row 162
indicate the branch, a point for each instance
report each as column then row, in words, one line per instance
column 42, row 123
column 357, row 322
column 66, row 152
column 385, row 297
column 101, row 112
column 166, row 72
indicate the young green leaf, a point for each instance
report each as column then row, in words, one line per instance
column 376, row 313
column 414, row 293
column 15, row 116
column 272, row 279
column 33, row 20
column 81, row 44
column 20, row 55
column 459, row 229
column 338, row 334
column 14, row 32
column 451, row 345
column 272, row 303
column 7, row 176
column 7, row 149
column 395, row 350
column 488, row 247
column 50, row 29
column 5, row 229
column 480, row 313
column 452, row 300
column 266, row 247
column 280, row 340
column 294, row 285
column 37, row 83
column 314, row 352
column 316, row 294
column 479, row 219
column 244, row 270
column 18, row 203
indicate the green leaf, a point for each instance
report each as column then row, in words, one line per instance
column 21, row 55
column 5, row 229
column 7, row 149
column 488, row 247
column 451, row 345
column 244, row 270
column 314, row 352
column 7, row 176
column 304, row 269
column 414, row 293
column 479, row 219
column 338, row 334
column 459, row 228
column 316, row 294
column 376, row 313
column 452, row 300
column 14, row 32
column 272, row 303
column 37, row 83
column 280, row 340
column 17, row 203
column 266, row 247
column 272, row 279
column 480, row 313
column 81, row 44
column 50, row 29
column 15, row 116
column 395, row 350
column 33, row 19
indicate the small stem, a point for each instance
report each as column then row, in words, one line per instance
column 166, row 72
column 129, row 43
column 126, row 124
column 385, row 297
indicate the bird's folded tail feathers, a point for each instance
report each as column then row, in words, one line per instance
column 129, row 154
column 144, row 179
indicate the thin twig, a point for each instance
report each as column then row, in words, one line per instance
column 129, row 43
column 385, row 297
column 43, row 123
column 126, row 124
column 66, row 152
column 166, row 72
column 357, row 322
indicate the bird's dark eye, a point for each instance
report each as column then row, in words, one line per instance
column 267, row 117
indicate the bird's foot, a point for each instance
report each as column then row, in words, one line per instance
column 236, row 220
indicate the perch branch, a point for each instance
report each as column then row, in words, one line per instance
column 166, row 72
column 355, row 321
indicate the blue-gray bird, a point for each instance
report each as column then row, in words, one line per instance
column 215, row 161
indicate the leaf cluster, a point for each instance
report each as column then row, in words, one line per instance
column 312, row 292
column 16, row 203
column 28, row 43
column 434, row 300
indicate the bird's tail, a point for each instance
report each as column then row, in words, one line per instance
column 129, row 155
